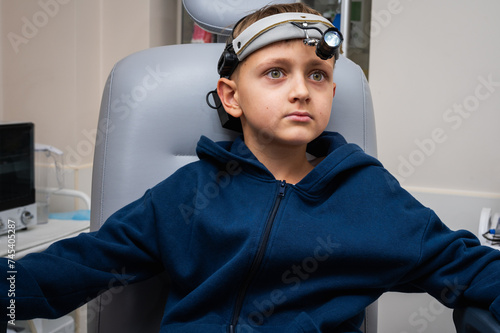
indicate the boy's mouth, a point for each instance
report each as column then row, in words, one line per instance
column 301, row 116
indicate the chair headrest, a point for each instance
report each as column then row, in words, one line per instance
column 218, row 17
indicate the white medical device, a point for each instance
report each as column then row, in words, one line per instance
column 489, row 228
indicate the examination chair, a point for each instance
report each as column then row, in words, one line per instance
column 152, row 115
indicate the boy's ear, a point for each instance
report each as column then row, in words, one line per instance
column 226, row 89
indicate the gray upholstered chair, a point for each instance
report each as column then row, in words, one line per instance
column 152, row 114
column 143, row 141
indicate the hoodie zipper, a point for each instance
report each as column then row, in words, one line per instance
column 257, row 259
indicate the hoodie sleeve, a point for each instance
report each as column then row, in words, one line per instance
column 456, row 269
column 73, row 271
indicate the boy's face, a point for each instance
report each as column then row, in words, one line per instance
column 284, row 93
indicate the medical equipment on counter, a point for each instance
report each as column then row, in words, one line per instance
column 489, row 228
column 17, row 179
column 43, row 191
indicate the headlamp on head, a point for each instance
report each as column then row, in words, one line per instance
column 328, row 45
column 315, row 30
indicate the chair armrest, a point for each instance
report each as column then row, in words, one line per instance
column 475, row 320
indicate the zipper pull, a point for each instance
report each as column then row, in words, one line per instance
column 230, row 329
column 282, row 188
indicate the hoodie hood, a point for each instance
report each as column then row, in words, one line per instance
column 339, row 156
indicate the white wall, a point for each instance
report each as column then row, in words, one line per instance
column 56, row 56
column 437, row 121
column 429, row 60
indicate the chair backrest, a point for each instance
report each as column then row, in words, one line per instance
column 152, row 114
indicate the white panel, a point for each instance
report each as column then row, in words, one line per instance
column 435, row 80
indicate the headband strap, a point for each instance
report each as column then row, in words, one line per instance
column 276, row 28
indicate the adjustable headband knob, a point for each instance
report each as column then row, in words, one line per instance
column 228, row 62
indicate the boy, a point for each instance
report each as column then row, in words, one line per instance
column 289, row 244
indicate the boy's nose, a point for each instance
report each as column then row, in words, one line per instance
column 299, row 90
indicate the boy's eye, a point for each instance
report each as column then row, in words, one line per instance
column 275, row 74
column 317, row 76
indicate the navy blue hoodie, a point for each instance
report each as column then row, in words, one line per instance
column 244, row 250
